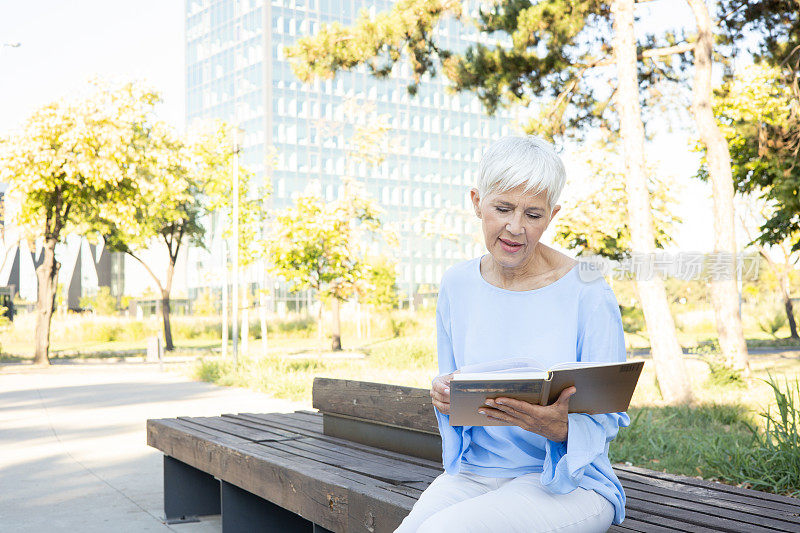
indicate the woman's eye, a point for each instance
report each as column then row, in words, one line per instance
column 503, row 209
column 534, row 216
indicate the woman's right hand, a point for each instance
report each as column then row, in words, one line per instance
column 440, row 393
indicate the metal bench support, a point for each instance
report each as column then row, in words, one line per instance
column 188, row 492
column 244, row 512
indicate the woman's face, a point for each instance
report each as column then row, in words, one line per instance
column 513, row 222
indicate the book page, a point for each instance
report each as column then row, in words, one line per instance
column 501, row 375
column 515, row 364
column 583, row 364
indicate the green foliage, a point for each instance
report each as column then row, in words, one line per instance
column 380, row 287
column 772, row 325
column 759, row 113
column 317, row 244
column 72, row 160
column 405, row 353
column 772, row 460
column 595, row 223
column 683, row 439
column 542, row 59
column 401, row 323
column 205, row 304
column 102, row 303
column 632, row 319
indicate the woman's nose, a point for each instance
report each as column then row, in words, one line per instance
column 515, row 226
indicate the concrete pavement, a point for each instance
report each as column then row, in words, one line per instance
column 73, row 453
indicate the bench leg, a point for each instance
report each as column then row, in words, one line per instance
column 244, row 512
column 188, row 492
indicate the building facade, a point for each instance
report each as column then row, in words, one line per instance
column 296, row 134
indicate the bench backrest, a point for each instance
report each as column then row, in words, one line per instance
column 391, row 417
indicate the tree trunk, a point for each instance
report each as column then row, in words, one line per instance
column 787, row 302
column 320, row 335
column 246, row 321
column 336, row 337
column 224, row 348
column 168, row 346
column 47, row 276
column 667, row 354
column 724, row 290
column 262, row 301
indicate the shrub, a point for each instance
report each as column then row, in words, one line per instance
column 102, row 303
column 772, row 460
column 402, row 323
column 405, row 353
column 632, row 319
column 772, row 325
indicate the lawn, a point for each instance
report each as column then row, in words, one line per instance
column 740, row 431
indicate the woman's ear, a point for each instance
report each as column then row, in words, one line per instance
column 556, row 209
column 476, row 201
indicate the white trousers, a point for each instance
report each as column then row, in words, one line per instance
column 467, row 502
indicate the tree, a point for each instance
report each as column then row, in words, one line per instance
column 316, row 245
column 70, row 161
column 724, row 290
column 667, row 353
column 380, row 284
column 181, row 182
column 595, row 223
column 755, row 211
column 552, row 49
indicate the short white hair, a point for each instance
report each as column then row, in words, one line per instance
column 529, row 161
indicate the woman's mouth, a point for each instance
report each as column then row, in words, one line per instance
column 510, row 246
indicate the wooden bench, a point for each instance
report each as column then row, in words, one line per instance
column 361, row 461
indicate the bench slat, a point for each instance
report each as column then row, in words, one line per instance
column 694, row 492
column 696, row 515
column 657, row 494
column 271, row 421
column 715, row 486
column 639, row 521
column 368, row 455
column 394, row 405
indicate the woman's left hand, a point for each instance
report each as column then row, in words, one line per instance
column 550, row 421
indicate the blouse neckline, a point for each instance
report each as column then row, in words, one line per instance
column 510, row 291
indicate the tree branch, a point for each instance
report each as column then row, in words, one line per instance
column 651, row 52
column 158, row 282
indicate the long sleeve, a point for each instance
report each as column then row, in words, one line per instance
column 453, row 441
column 600, row 339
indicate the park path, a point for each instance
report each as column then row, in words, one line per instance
column 73, row 453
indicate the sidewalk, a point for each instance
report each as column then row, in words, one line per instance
column 73, row 453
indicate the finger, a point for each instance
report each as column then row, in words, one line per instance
column 512, row 404
column 565, row 395
column 441, row 387
column 443, row 408
column 442, row 398
column 494, row 414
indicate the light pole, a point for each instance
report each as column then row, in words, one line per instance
column 235, row 299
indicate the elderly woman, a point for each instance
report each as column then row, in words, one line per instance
column 549, row 470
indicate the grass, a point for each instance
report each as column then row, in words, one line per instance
column 403, row 361
column 682, row 439
column 739, row 430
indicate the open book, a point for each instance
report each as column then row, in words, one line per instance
column 601, row 387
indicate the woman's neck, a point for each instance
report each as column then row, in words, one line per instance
column 545, row 267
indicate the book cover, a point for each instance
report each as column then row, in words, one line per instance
column 601, row 388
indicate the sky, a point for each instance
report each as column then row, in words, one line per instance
column 63, row 44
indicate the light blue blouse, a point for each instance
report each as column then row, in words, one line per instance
column 568, row 320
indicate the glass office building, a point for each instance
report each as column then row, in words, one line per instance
column 236, row 71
